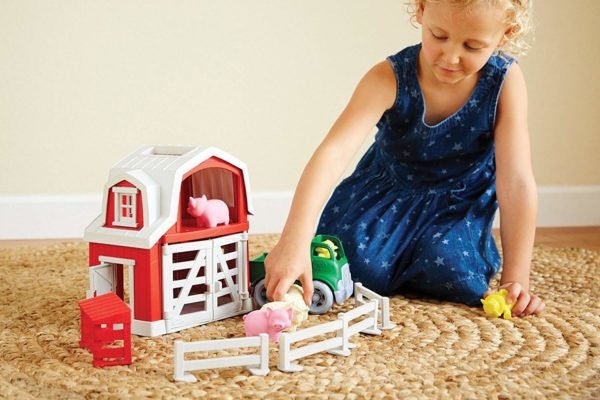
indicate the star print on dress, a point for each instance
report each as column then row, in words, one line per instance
column 473, row 103
column 457, row 147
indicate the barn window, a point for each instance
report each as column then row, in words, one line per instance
column 125, row 206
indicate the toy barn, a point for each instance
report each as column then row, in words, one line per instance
column 146, row 247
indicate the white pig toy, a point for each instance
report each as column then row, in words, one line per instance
column 208, row 213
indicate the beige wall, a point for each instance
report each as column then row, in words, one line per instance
column 563, row 74
column 82, row 83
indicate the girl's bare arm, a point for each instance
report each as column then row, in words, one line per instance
column 516, row 192
column 290, row 259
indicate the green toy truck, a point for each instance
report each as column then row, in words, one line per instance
column 331, row 275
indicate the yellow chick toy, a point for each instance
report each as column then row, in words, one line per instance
column 322, row 252
column 495, row 305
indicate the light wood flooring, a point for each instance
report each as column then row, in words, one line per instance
column 585, row 237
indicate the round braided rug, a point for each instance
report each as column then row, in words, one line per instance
column 437, row 350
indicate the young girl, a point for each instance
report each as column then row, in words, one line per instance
column 416, row 214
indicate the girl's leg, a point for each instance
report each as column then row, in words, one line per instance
column 450, row 264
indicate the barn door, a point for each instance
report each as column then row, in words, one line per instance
column 187, row 284
column 102, row 280
column 227, row 265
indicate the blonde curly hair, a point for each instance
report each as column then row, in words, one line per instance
column 517, row 17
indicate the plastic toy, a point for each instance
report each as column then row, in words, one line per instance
column 339, row 345
column 257, row 364
column 362, row 295
column 364, row 318
column 268, row 321
column 496, row 305
column 294, row 298
column 147, row 248
column 322, row 252
column 106, row 323
column 208, row 213
column 331, row 275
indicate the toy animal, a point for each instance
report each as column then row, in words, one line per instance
column 495, row 305
column 208, row 213
column 268, row 321
column 322, row 252
column 294, row 298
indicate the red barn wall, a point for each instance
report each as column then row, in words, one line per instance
column 147, row 276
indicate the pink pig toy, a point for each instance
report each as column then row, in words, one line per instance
column 268, row 321
column 208, row 213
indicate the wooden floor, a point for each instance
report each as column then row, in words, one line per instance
column 585, row 237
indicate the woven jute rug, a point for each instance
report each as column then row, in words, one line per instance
column 438, row 350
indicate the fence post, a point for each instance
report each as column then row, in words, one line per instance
column 386, row 323
column 344, row 349
column 179, row 373
column 361, row 294
column 285, row 356
column 284, row 352
column 263, row 367
column 358, row 294
column 373, row 330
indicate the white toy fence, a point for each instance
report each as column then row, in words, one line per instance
column 370, row 304
column 257, row 364
column 383, row 314
column 339, row 345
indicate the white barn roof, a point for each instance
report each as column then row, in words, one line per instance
column 157, row 171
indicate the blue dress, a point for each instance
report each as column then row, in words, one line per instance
column 416, row 215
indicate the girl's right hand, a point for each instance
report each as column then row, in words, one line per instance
column 525, row 302
column 286, row 263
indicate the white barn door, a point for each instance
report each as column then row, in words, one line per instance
column 102, row 280
column 204, row 281
column 187, row 285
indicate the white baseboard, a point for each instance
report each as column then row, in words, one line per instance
column 66, row 216
column 569, row 206
column 47, row 216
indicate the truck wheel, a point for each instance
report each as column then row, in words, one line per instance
column 260, row 293
column 322, row 299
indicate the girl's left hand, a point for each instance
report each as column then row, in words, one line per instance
column 525, row 303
